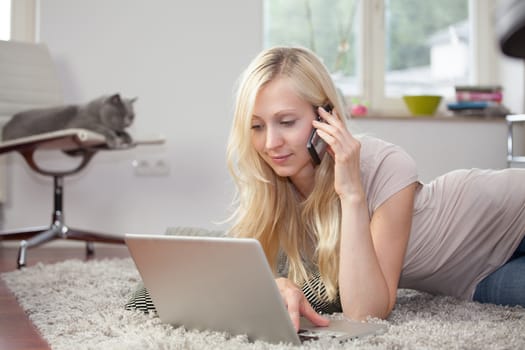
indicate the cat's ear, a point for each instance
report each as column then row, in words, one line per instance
column 133, row 99
column 115, row 99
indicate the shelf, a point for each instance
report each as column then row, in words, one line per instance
column 439, row 118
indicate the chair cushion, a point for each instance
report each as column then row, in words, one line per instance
column 60, row 139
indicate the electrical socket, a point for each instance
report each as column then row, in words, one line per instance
column 150, row 167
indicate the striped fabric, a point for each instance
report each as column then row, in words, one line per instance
column 314, row 289
column 141, row 300
column 315, row 292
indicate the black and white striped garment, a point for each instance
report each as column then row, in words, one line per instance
column 314, row 292
column 314, row 289
column 140, row 300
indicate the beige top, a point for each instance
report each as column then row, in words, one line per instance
column 466, row 223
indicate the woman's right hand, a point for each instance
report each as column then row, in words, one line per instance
column 298, row 305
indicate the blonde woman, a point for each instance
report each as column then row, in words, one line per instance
column 343, row 235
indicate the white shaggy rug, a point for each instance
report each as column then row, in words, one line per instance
column 79, row 305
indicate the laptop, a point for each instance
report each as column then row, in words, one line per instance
column 223, row 284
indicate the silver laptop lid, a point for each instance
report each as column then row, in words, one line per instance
column 205, row 283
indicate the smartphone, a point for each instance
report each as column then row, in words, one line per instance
column 316, row 145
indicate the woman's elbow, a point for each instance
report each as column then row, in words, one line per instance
column 362, row 314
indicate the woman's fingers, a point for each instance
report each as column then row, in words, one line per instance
column 344, row 149
column 340, row 141
column 332, row 126
column 298, row 305
column 293, row 303
column 312, row 316
column 332, row 119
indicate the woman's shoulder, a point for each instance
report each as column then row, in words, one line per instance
column 385, row 169
column 367, row 139
column 375, row 147
column 376, row 151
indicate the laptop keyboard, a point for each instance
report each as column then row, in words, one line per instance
column 306, row 335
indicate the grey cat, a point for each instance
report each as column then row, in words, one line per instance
column 106, row 115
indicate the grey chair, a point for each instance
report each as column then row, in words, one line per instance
column 29, row 80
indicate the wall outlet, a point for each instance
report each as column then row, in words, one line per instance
column 150, row 167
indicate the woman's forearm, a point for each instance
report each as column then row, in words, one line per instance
column 362, row 286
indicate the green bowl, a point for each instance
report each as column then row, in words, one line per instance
column 422, row 105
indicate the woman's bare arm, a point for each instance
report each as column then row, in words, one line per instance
column 372, row 254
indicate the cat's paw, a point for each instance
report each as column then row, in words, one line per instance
column 112, row 142
column 124, row 139
column 118, row 140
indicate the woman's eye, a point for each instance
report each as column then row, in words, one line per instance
column 256, row 127
column 288, row 122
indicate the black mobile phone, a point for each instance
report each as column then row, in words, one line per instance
column 316, row 145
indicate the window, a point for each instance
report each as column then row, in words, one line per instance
column 378, row 50
column 426, row 46
column 327, row 27
column 5, row 19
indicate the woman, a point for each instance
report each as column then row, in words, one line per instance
column 345, row 234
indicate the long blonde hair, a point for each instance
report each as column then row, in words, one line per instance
column 266, row 205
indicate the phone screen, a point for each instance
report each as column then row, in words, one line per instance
column 316, row 145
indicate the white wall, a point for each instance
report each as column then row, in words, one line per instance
column 442, row 145
column 182, row 58
column 512, row 74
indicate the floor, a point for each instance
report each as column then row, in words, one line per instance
column 16, row 330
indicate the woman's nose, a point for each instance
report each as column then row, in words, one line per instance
column 273, row 139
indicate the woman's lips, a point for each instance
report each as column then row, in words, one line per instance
column 280, row 158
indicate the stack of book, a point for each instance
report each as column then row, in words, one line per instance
column 478, row 100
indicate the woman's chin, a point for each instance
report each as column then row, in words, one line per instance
column 283, row 171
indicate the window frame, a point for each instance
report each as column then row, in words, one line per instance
column 371, row 63
column 8, row 17
column 483, row 57
column 23, row 20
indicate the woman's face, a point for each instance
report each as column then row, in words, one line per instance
column 281, row 125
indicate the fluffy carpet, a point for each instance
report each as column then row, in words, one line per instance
column 79, row 305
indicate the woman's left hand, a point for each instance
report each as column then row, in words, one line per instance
column 298, row 305
column 345, row 150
